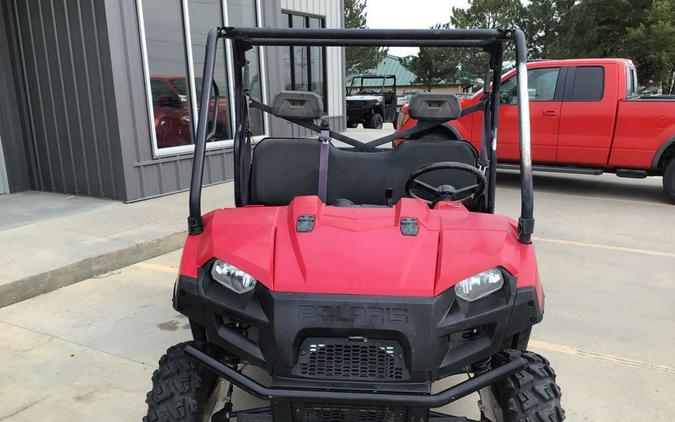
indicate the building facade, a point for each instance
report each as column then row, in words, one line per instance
column 99, row 97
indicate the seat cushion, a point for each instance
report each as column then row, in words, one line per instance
column 284, row 168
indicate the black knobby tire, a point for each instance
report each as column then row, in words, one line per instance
column 669, row 180
column 352, row 124
column 180, row 388
column 375, row 121
column 531, row 394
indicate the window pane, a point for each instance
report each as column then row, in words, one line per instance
column 205, row 15
column 243, row 13
column 167, row 68
column 589, row 84
column 301, row 68
column 316, row 64
column 542, row 83
column 300, row 64
column 305, row 66
column 286, row 55
column 508, row 92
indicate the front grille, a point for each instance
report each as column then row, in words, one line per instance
column 348, row 359
column 329, row 413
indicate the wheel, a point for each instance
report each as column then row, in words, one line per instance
column 375, row 121
column 669, row 180
column 352, row 124
column 529, row 395
column 181, row 390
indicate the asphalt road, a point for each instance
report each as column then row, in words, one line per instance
column 606, row 252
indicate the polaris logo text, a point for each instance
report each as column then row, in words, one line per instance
column 353, row 314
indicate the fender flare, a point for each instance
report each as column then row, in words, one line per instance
column 662, row 149
column 452, row 130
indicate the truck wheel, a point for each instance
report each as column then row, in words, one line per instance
column 375, row 121
column 351, row 124
column 669, row 180
column 530, row 394
column 181, row 390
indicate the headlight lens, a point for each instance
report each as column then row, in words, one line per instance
column 232, row 277
column 480, row 285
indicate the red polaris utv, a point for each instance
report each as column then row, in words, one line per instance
column 357, row 277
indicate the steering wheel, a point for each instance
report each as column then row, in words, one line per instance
column 431, row 195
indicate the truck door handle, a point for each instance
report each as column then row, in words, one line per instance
column 550, row 113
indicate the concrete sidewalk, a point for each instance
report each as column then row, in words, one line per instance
column 52, row 240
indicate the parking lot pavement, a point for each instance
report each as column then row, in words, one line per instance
column 606, row 254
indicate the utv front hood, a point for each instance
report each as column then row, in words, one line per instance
column 312, row 248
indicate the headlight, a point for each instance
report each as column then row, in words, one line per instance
column 232, row 277
column 480, row 285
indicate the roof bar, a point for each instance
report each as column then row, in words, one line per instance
column 369, row 34
column 370, row 42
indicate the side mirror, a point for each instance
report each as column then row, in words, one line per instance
column 169, row 101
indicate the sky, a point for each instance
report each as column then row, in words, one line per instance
column 409, row 14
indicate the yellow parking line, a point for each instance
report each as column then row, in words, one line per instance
column 633, row 363
column 597, row 198
column 606, row 247
column 156, row 267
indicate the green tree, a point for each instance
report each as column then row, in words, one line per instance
column 433, row 65
column 598, row 28
column 360, row 59
column 543, row 23
column 486, row 14
column 641, row 30
column 652, row 45
column 489, row 14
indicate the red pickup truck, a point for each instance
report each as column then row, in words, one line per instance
column 586, row 117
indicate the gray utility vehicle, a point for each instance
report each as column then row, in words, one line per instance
column 371, row 100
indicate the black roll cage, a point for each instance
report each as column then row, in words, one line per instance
column 491, row 41
column 363, row 77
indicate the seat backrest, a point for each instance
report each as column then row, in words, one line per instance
column 434, row 106
column 284, row 168
column 302, row 105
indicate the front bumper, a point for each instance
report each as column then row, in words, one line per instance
column 356, row 398
column 431, row 337
column 361, row 110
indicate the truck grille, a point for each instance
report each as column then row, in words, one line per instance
column 345, row 359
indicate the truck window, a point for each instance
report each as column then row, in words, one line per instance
column 541, row 86
column 631, row 82
column 588, row 85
